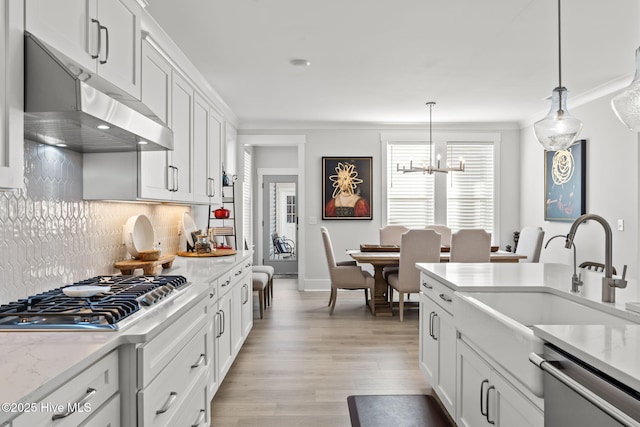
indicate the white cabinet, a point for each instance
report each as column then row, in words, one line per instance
column 171, row 366
column 437, row 353
column 12, row 107
column 93, row 394
column 224, row 347
column 156, row 82
column 180, row 159
column 99, row 36
column 486, row 398
column 207, row 128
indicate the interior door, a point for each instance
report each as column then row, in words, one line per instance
column 280, row 223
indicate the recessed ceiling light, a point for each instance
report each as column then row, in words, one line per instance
column 141, row 142
column 103, row 127
column 61, row 145
column 299, row 62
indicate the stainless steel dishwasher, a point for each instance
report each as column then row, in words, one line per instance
column 577, row 394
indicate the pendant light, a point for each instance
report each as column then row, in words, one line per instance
column 558, row 130
column 431, row 169
column 626, row 104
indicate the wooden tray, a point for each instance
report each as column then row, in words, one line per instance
column 148, row 267
column 217, row 252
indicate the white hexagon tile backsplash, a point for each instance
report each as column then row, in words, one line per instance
column 50, row 237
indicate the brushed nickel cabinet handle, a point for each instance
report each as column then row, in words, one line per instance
column 172, row 398
column 199, row 362
column 79, row 404
column 200, row 418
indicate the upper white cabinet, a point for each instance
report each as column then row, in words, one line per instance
column 156, row 82
column 208, row 128
column 11, row 110
column 100, row 36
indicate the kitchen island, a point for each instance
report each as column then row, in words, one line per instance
column 490, row 349
column 130, row 363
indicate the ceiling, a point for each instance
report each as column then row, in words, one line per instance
column 379, row 61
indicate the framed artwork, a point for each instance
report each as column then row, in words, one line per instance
column 565, row 182
column 346, row 187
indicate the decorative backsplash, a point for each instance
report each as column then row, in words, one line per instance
column 50, row 237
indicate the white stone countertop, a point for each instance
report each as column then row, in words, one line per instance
column 612, row 349
column 34, row 364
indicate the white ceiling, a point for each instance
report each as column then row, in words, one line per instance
column 379, row 61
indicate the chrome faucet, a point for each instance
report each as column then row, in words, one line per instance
column 609, row 284
column 576, row 281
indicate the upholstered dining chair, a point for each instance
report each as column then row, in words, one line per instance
column 530, row 243
column 470, row 245
column 443, row 230
column 345, row 275
column 391, row 235
column 416, row 246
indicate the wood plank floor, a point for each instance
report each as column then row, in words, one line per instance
column 299, row 363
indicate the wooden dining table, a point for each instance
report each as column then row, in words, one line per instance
column 379, row 259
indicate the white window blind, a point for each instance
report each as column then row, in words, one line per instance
column 246, row 199
column 410, row 196
column 470, row 198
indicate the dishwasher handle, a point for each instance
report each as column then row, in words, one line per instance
column 596, row 400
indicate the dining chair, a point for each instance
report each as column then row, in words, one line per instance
column 416, row 246
column 391, row 235
column 346, row 275
column 470, row 245
column 530, row 243
column 443, row 230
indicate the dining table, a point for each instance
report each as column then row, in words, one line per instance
column 380, row 256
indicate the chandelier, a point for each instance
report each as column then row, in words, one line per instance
column 430, row 169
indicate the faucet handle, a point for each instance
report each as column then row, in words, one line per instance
column 576, row 282
column 620, row 283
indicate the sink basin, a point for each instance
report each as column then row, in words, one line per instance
column 498, row 323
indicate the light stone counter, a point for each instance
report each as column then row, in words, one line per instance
column 34, row 364
column 612, row 349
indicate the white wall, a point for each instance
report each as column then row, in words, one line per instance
column 348, row 234
column 612, row 189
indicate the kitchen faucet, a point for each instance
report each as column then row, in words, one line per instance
column 609, row 284
column 576, row 281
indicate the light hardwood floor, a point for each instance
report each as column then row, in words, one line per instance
column 299, row 363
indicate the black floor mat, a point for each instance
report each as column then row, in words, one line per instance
column 407, row 410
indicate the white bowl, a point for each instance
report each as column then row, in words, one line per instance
column 138, row 235
column 84, row 291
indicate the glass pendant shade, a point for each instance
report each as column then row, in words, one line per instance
column 626, row 104
column 558, row 130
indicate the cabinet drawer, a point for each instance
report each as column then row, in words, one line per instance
column 107, row 416
column 163, row 398
column 225, row 280
column 439, row 293
column 156, row 354
column 78, row 397
column 195, row 410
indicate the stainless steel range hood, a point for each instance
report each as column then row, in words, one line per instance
column 62, row 109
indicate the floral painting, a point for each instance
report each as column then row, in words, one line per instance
column 565, row 182
column 346, row 187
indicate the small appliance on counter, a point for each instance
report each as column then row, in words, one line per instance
column 102, row 303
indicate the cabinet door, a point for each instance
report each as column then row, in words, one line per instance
column 119, row 59
column 11, row 91
column 156, row 82
column 214, row 155
column 214, row 329
column 428, row 345
column 236, row 325
column 473, row 383
column 181, row 156
column 201, row 137
column 223, row 346
column 247, row 306
column 66, row 26
column 508, row 407
column 446, row 334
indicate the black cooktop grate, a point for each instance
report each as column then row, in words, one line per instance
column 53, row 307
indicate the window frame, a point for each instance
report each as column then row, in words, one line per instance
column 440, row 139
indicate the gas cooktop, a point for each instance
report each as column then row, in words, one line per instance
column 110, row 310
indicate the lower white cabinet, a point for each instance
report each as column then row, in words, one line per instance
column 486, row 398
column 172, row 365
column 438, row 351
column 80, row 399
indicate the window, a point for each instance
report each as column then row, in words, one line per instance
column 470, row 194
column 246, row 199
column 410, row 196
column 457, row 199
column 291, row 209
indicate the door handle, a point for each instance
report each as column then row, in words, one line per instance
column 482, row 397
column 106, row 30
column 487, row 416
column 97, row 54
